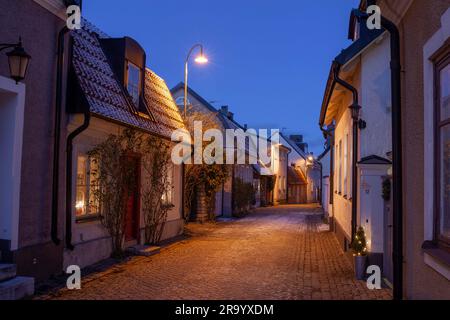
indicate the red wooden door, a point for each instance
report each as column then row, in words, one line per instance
column 132, row 215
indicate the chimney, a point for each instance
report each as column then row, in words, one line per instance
column 245, row 127
column 224, row 110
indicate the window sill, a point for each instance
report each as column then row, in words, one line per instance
column 437, row 258
column 88, row 218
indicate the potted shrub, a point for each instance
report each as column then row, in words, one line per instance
column 359, row 247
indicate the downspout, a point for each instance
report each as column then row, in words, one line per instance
column 397, row 185
column 70, row 138
column 57, row 135
column 355, row 107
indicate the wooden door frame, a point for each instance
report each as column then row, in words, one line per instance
column 137, row 209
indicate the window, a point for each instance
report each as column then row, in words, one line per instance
column 134, row 82
column 345, row 165
column 442, row 218
column 167, row 196
column 350, row 165
column 86, row 185
column 340, row 168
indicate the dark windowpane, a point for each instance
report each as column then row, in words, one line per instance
column 445, row 93
column 133, row 82
column 445, row 183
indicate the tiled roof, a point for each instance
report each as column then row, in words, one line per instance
column 106, row 96
column 157, row 94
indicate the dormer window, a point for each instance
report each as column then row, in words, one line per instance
column 133, row 82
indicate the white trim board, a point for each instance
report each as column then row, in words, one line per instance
column 12, row 109
column 56, row 7
column 430, row 48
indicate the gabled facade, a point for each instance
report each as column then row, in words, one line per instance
column 114, row 85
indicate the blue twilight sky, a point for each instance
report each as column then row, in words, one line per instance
column 269, row 59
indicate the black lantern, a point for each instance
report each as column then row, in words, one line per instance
column 18, row 60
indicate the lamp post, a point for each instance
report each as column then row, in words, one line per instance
column 201, row 59
column 18, row 60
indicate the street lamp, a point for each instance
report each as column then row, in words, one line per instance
column 18, row 60
column 200, row 59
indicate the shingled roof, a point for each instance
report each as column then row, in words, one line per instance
column 106, row 96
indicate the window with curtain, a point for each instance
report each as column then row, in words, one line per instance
column 167, row 196
column 86, row 203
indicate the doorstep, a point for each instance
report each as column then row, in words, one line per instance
column 16, row 288
column 142, row 250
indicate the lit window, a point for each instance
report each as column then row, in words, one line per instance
column 87, row 172
column 133, row 82
column 180, row 101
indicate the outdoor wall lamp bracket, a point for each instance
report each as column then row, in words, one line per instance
column 355, row 108
column 18, row 60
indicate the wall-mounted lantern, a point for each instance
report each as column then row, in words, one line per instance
column 18, row 60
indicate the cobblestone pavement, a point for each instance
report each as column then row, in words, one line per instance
column 275, row 253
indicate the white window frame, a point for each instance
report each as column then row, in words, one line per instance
column 12, row 190
column 430, row 48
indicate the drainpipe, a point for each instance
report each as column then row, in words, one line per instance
column 69, row 148
column 57, row 135
column 355, row 107
column 397, row 185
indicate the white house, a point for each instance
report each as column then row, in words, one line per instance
column 360, row 143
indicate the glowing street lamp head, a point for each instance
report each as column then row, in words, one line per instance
column 310, row 158
column 201, row 59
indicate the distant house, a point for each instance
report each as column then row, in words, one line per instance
column 297, row 180
column 223, row 119
column 304, row 184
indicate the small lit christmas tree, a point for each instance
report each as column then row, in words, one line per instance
column 359, row 244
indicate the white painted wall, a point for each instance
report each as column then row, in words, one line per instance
column 375, row 95
column 91, row 240
column 342, row 209
column 371, row 205
column 12, row 105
